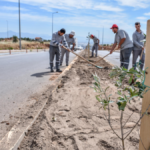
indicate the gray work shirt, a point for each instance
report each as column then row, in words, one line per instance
column 58, row 40
column 137, row 38
column 120, row 35
column 95, row 40
column 69, row 40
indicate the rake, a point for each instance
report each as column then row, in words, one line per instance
column 99, row 67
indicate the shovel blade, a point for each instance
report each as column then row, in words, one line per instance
column 99, row 67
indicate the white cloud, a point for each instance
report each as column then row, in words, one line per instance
column 47, row 9
column 70, row 4
column 147, row 14
column 103, row 20
column 105, row 7
column 135, row 3
column 141, row 18
column 11, row 8
column 24, row 16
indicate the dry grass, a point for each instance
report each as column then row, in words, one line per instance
column 25, row 45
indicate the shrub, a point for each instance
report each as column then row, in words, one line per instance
column 10, row 48
column 15, row 39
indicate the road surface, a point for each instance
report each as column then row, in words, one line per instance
column 114, row 58
column 21, row 76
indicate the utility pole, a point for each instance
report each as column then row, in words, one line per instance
column 145, row 122
column 102, row 37
column 89, row 45
column 52, row 19
column 7, row 29
column 19, row 25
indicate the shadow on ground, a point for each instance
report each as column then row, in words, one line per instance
column 40, row 74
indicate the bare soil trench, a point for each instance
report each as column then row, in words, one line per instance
column 73, row 119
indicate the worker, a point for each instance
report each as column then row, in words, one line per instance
column 70, row 40
column 124, row 44
column 58, row 40
column 138, row 36
column 96, row 44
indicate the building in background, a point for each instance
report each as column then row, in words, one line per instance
column 39, row 39
column 76, row 42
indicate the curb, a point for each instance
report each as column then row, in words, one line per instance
column 109, row 62
column 14, row 137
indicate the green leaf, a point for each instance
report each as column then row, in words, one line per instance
column 97, row 97
column 130, row 80
column 122, row 104
column 106, row 88
column 119, row 92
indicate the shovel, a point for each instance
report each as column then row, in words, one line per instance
column 103, row 57
column 82, row 58
column 141, row 55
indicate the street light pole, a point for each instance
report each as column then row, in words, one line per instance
column 7, row 29
column 102, row 38
column 19, row 25
column 52, row 20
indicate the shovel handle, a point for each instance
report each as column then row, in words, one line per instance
column 79, row 56
column 104, row 57
column 141, row 54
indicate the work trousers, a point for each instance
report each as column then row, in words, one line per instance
column 54, row 51
column 137, row 53
column 94, row 48
column 125, row 57
column 63, row 51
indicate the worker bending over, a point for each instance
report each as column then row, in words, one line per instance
column 138, row 36
column 58, row 39
column 70, row 40
column 95, row 46
column 124, row 44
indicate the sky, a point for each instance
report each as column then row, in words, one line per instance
column 81, row 16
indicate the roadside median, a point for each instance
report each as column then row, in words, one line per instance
column 13, row 138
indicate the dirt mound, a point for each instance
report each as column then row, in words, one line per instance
column 73, row 120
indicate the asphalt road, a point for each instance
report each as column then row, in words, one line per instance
column 114, row 58
column 21, row 76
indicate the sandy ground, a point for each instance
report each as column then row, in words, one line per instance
column 73, row 119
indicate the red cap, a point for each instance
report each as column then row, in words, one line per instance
column 92, row 35
column 114, row 26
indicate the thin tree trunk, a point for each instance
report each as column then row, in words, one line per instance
column 122, row 138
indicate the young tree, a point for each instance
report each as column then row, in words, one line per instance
column 134, row 89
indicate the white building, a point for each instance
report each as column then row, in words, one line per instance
column 76, row 41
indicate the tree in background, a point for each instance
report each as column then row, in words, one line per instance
column 1, row 39
column 15, row 39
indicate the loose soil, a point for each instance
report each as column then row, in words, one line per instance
column 74, row 120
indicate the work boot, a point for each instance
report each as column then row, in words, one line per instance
column 66, row 64
column 51, row 68
column 91, row 56
column 58, row 70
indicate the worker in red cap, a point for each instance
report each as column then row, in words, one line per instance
column 125, row 45
column 95, row 46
